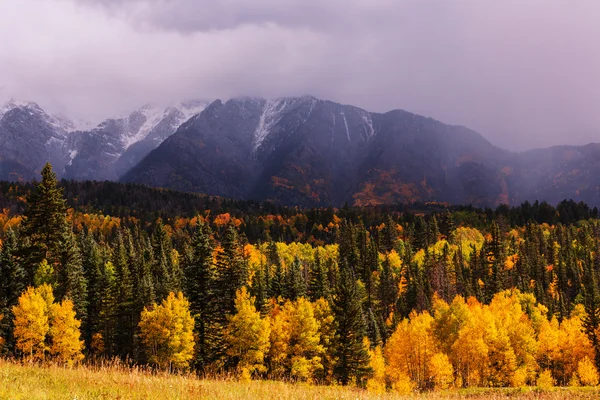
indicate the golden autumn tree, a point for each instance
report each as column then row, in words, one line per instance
column 247, row 335
column 574, row 345
column 441, row 370
column 409, row 350
column 295, row 340
column 376, row 383
column 470, row 351
column 64, row 332
column 43, row 326
column 513, row 322
column 32, row 322
column 324, row 316
column 305, row 349
column 279, row 339
column 587, row 373
column 563, row 346
column 167, row 332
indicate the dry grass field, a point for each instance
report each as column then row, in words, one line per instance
column 30, row 382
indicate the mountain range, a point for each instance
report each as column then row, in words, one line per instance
column 29, row 136
column 295, row 151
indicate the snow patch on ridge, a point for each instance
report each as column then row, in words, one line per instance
column 274, row 110
column 271, row 115
column 154, row 115
column 369, row 130
column 346, row 125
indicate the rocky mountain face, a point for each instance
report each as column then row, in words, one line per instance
column 295, row 151
column 29, row 137
column 305, row 151
column 113, row 147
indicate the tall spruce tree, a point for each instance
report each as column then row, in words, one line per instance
column 12, row 284
column 44, row 224
column 125, row 310
column 591, row 322
column 162, row 267
column 319, row 281
column 92, row 266
column 296, row 284
column 200, row 281
column 72, row 282
column 350, row 353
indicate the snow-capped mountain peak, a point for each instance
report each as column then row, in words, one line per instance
column 119, row 143
column 79, row 150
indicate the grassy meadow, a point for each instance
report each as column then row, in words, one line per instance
column 31, row 382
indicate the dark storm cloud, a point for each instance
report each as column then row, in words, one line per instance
column 523, row 73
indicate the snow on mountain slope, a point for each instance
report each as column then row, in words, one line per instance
column 118, row 143
column 275, row 110
column 30, row 136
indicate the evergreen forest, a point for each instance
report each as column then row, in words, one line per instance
column 404, row 298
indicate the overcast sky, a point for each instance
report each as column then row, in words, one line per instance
column 524, row 73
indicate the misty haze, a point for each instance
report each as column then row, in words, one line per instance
column 523, row 74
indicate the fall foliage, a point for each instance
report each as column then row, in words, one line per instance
column 167, row 332
column 391, row 299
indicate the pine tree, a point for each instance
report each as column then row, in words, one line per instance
column 125, row 310
column 388, row 290
column 231, row 271
column 319, row 281
column 278, row 287
column 92, row 266
column 162, row 266
column 389, row 235
column 275, row 282
column 591, row 321
column 259, row 289
column 352, row 357
column 12, row 284
column 72, row 282
column 108, row 308
column 296, row 285
column 44, row 223
column 201, row 275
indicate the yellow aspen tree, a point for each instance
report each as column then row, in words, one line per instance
column 376, row 384
column 279, row 339
column 324, row 316
column 549, row 344
column 545, row 380
column 441, row 370
column 167, row 332
column 64, row 331
column 522, row 345
column 247, row 335
column 304, row 349
column 502, row 358
column 573, row 345
column 31, row 321
column 587, row 372
column 448, row 321
column 470, row 351
column 410, row 348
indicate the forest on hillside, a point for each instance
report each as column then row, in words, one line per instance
column 405, row 298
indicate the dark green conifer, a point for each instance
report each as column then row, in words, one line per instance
column 351, row 355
